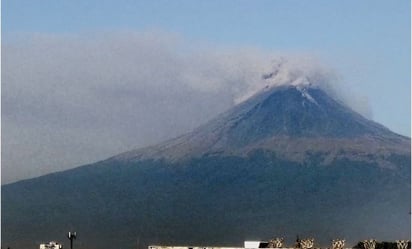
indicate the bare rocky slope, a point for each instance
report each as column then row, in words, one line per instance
column 289, row 161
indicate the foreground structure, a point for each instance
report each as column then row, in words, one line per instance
column 274, row 243
column 51, row 245
column 300, row 243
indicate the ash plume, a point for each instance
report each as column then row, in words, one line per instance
column 73, row 99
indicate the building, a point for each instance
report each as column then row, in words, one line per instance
column 51, row 245
column 247, row 245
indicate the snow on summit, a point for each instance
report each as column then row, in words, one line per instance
column 298, row 72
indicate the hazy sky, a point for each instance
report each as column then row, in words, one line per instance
column 84, row 80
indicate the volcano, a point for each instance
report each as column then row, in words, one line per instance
column 291, row 160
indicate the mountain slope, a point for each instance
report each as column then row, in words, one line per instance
column 290, row 160
column 290, row 120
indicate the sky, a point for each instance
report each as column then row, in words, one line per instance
column 85, row 80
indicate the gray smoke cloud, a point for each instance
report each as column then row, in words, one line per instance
column 68, row 100
column 307, row 71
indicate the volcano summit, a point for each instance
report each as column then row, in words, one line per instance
column 289, row 160
column 293, row 122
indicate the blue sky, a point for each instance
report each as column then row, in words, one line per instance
column 321, row 24
column 366, row 42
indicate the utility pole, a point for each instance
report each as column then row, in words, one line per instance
column 71, row 236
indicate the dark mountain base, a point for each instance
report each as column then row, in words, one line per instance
column 209, row 201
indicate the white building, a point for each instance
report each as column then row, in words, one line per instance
column 51, row 245
column 248, row 245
